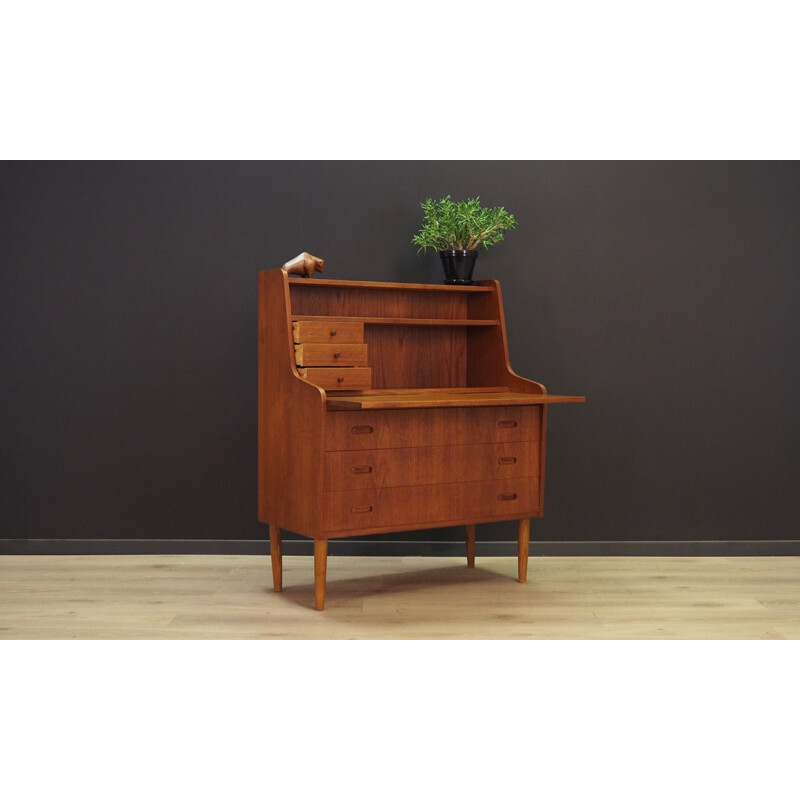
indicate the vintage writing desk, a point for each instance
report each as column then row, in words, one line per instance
column 389, row 407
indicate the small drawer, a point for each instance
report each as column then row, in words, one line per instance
column 412, row 466
column 330, row 355
column 370, row 430
column 332, row 378
column 328, row 331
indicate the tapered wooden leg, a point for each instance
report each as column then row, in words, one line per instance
column 523, row 543
column 277, row 557
column 470, row 545
column 320, row 569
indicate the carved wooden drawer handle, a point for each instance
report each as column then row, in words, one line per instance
column 507, row 423
column 507, row 496
column 360, row 428
column 361, row 470
column 361, row 509
column 337, row 355
column 340, row 380
column 507, row 460
column 333, row 333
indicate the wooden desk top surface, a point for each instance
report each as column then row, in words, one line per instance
column 443, row 398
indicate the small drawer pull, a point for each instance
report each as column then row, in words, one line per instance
column 507, row 460
column 363, row 469
column 507, row 496
column 337, row 355
column 507, row 423
column 333, row 333
column 340, row 380
column 357, row 429
column 361, row 509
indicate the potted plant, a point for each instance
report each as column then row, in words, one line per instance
column 457, row 230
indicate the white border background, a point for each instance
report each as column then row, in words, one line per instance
column 429, row 80
column 425, row 80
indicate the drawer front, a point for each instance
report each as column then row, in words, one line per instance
column 333, row 378
column 328, row 331
column 413, row 466
column 419, row 427
column 330, row 355
column 440, row 503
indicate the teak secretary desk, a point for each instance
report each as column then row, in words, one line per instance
column 389, row 407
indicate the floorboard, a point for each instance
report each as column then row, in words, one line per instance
column 231, row 597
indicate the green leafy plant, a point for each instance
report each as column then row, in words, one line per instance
column 465, row 225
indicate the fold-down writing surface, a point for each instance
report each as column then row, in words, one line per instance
column 444, row 399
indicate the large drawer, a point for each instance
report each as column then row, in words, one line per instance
column 418, row 427
column 433, row 504
column 412, row 466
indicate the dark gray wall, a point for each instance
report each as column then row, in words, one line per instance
column 668, row 293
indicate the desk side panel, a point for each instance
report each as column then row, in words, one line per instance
column 488, row 363
column 291, row 419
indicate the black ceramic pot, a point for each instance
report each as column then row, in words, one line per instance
column 458, row 265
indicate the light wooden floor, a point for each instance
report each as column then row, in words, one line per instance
column 231, row 597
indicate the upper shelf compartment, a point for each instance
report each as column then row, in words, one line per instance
column 392, row 303
column 414, row 287
column 399, row 320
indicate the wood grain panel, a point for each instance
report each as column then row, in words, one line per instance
column 419, row 357
column 412, row 466
column 368, row 430
column 367, row 508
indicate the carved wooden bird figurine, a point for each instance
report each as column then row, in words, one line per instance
column 304, row 265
